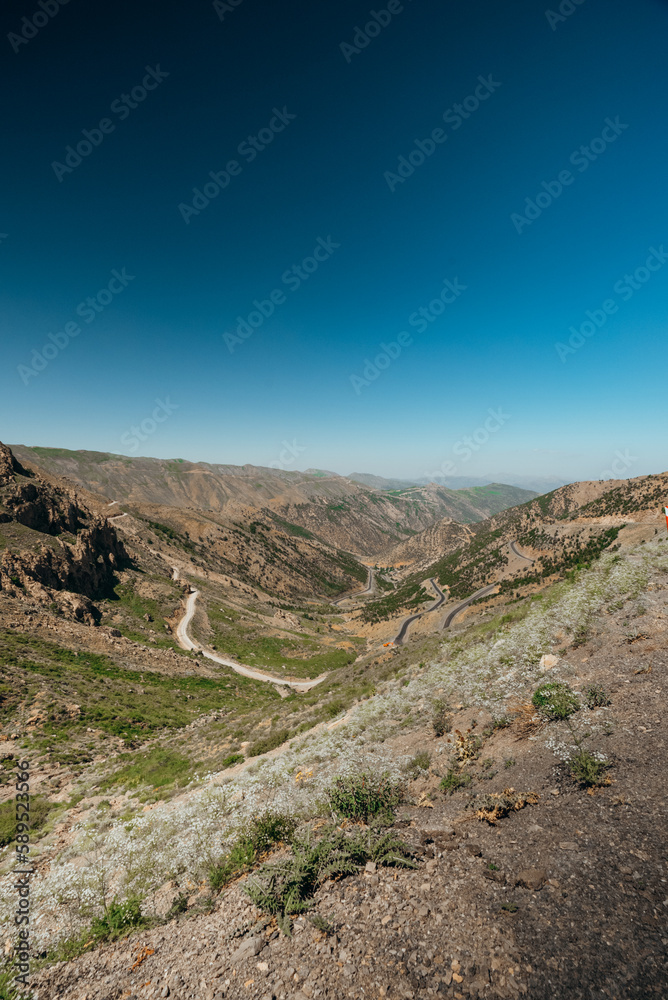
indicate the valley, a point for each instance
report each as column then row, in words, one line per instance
column 185, row 649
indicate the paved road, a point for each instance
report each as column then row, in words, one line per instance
column 185, row 642
column 440, row 597
column 464, row 604
column 513, row 546
column 359, row 593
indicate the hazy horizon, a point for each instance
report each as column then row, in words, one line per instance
column 288, row 459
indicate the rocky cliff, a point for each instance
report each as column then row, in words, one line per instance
column 52, row 542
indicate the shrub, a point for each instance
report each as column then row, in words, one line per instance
column 555, row 700
column 268, row 743
column 118, row 919
column 588, row 769
column 596, row 697
column 454, row 780
column 365, row 796
column 179, row 905
column 261, row 834
column 420, row 762
column 234, row 758
column 286, row 887
column 441, row 719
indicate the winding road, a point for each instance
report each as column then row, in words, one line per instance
column 440, row 597
column 464, row 604
column 185, row 642
column 458, row 608
column 483, row 592
column 359, row 593
column 513, row 548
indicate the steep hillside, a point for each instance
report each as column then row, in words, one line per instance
column 252, row 546
column 180, row 483
column 371, row 521
column 556, row 532
column 380, row 482
column 337, row 511
column 419, row 552
column 560, row 530
column 448, row 827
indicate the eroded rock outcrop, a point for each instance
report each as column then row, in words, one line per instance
column 84, row 563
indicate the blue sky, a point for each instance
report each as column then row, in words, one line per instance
column 332, row 127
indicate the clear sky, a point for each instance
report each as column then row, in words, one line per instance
column 427, row 157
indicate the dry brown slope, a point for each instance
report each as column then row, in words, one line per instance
column 338, row 511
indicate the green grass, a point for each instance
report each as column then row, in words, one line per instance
column 261, row 834
column 119, row 702
column 555, row 701
column 133, row 608
column 158, row 768
column 454, row 780
column 267, row 743
column 39, row 814
column 8, row 988
column 232, row 759
column 301, row 654
column 418, row 764
column 89, row 456
column 286, row 887
column 117, row 921
column 292, row 529
column 365, row 797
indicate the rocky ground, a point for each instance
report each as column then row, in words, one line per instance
column 566, row 897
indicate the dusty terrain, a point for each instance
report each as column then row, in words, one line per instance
column 149, row 761
column 564, row 897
